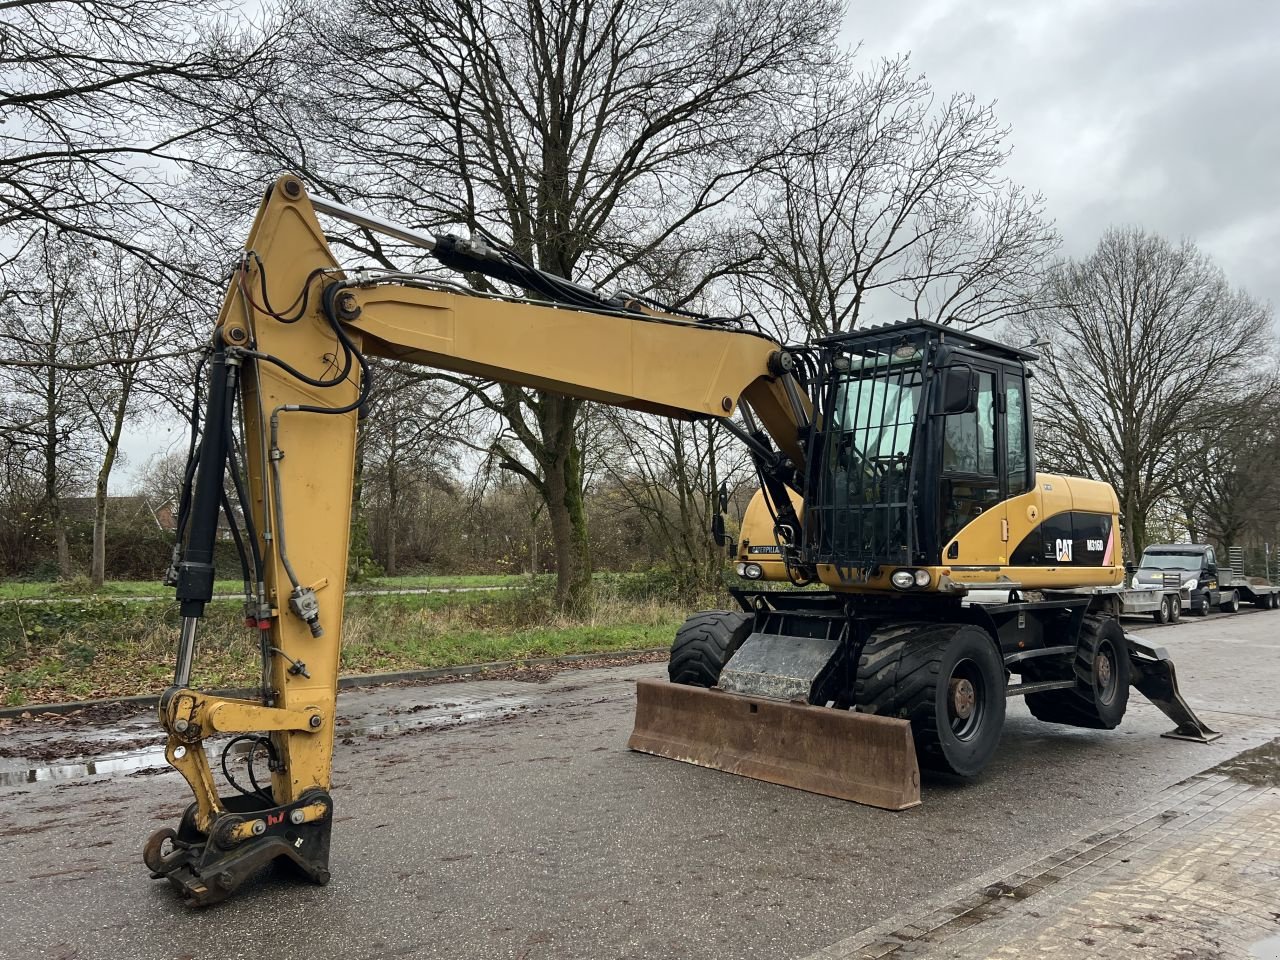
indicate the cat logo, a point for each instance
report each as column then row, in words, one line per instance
column 1064, row 550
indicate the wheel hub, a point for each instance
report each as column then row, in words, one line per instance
column 962, row 697
column 1103, row 668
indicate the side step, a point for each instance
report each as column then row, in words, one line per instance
column 1153, row 676
column 837, row 753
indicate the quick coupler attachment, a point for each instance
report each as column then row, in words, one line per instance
column 207, row 868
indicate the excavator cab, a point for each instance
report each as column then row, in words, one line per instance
column 917, row 431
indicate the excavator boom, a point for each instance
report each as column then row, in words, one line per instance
column 298, row 376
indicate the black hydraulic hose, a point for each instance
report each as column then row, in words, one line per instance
column 193, row 452
column 237, row 481
column 195, row 571
column 275, row 454
column 299, row 375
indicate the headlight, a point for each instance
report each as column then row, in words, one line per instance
column 1190, row 584
column 903, row 579
column 922, row 578
column 751, row 571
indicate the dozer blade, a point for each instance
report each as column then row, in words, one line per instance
column 836, row 753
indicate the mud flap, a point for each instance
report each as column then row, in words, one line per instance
column 1153, row 676
column 836, row 753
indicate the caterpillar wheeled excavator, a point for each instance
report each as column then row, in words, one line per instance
column 931, row 563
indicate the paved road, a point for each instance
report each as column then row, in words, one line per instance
column 524, row 829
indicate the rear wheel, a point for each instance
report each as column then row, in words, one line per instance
column 948, row 680
column 1175, row 608
column 704, row 644
column 1231, row 604
column 1101, row 670
column 1162, row 615
column 1262, row 601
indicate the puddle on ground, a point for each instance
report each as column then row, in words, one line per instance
column 99, row 766
column 1259, row 767
column 465, row 710
column 443, row 716
column 1268, row 949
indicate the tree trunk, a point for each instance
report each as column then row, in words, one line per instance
column 562, row 490
column 98, row 564
column 60, row 535
column 1128, row 513
column 393, row 519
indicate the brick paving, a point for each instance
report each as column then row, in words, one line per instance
column 1193, row 875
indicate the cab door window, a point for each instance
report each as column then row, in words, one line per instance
column 1015, row 428
column 970, row 480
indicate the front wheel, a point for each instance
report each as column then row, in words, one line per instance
column 1231, row 604
column 704, row 644
column 948, row 680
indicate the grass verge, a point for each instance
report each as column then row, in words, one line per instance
column 105, row 647
column 81, row 586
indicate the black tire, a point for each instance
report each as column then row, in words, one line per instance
column 908, row 670
column 1205, row 607
column 1162, row 615
column 704, row 644
column 1175, row 608
column 1101, row 669
column 1275, row 601
column 1231, row 604
column 1262, row 601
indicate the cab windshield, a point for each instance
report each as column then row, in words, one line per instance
column 861, row 513
column 1172, row 561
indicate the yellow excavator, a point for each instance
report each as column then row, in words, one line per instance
column 928, row 562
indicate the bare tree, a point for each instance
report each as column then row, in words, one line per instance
column 669, row 473
column 1148, row 344
column 131, row 310
column 1229, row 487
column 889, row 201
column 92, row 95
column 588, row 135
column 404, row 458
column 44, row 324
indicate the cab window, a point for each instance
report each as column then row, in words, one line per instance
column 969, row 439
column 970, row 483
column 1015, row 428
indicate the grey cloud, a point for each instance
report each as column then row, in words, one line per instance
column 1162, row 114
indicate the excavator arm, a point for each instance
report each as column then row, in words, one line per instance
column 289, row 362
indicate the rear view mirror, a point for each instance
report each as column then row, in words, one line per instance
column 717, row 529
column 958, row 391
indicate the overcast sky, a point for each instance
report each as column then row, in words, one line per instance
column 1159, row 113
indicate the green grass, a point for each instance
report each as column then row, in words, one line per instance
column 80, row 587
column 103, row 646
